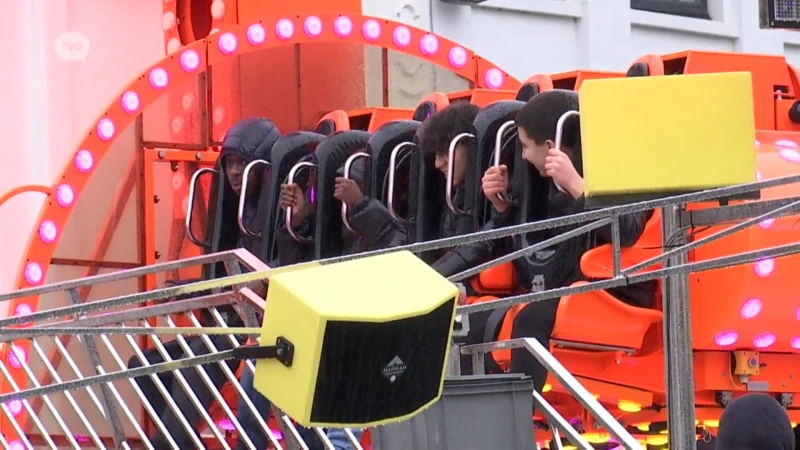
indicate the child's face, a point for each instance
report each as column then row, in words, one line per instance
column 534, row 153
column 459, row 163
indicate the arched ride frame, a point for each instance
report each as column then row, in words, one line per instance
column 181, row 67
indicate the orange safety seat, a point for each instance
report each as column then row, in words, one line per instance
column 497, row 280
column 598, row 262
column 501, row 357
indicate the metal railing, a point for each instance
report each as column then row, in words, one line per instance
column 219, row 342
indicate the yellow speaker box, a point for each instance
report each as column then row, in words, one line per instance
column 370, row 339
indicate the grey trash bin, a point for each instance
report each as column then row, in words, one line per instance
column 475, row 413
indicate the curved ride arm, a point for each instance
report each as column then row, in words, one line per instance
column 392, row 169
column 498, row 147
column 188, row 220
column 560, row 132
column 347, row 165
column 288, row 214
column 243, row 196
column 451, row 153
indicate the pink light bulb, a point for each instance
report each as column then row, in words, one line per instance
column 15, row 406
column 130, row 102
column 48, row 232
column 312, row 26
column 65, row 195
column 429, row 44
column 227, row 43
column 256, row 34
column 33, row 273
column 17, row 357
column 23, row 309
column 758, row 143
column 764, row 340
column 343, row 27
column 371, row 30
column 796, row 343
column 105, row 129
column 401, row 36
column 457, row 57
column 190, row 60
column 84, row 161
column 726, row 338
column 226, row 425
column 750, row 308
column 494, row 78
column 284, row 29
column 765, row 267
column 790, row 155
column 766, row 223
column 158, row 78
column 16, row 445
column 786, row 143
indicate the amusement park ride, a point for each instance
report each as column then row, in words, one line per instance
column 722, row 238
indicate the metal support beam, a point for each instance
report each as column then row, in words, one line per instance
column 735, row 213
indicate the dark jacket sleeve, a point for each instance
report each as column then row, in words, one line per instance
column 291, row 251
column 376, row 227
column 467, row 256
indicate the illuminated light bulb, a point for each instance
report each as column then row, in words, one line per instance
column 750, row 308
column 371, row 30
column 284, row 29
column 168, row 21
column 158, row 78
column 256, row 34
column 657, row 440
column 105, row 129
column 494, row 78
column 596, row 396
column 219, row 115
column 177, row 124
column 16, row 445
column 48, row 232
column 17, row 357
column 597, row 438
column 726, row 338
column 84, row 161
column 190, row 60
column 457, row 57
column 764, row 340
column 23, row 309
column 187, row 101
column 643, row 427
column 218, row 9
column 765, row 267
column 177, row 181
column 629, row 406
column 547, row 388
column 226, row 425
column 790, row 155
column 227, row 43
column 312, row 26
column 15, row 406
column 795, row 343
column 794, row 424
column 766, row 223
column 173, row 45
column 785, row 143
column 33, row 273
column 214, row 30
column 130, row 102
column 711, row 423
column 758, row 143
column 401, row 36
column 343, row 27
column 429, row 44
column 65, row 195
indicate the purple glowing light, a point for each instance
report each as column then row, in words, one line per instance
column 15, row 406
column 284, row 29
column 750, row 308
column 312, row 26
column 795, row 343
column 758, row 143
column 105, row 129
column 494, row 78
column 764, row 340
column 726, row 338
column 785, row 143
column 457, row 57
column 343, row 27
column 65, row 195
column 429, row 44
column 23, row 309
column 84, row 161
column 401, row 36
column 16, row 445
column 33, row 273
column 766, row 223
column 371, row 30
column 256, row 34
column 790, row 155
column 17, row 357
column 765, row 267
column 190, row 60
column 158, row 78
column 226, row 425
column 130, row 102
column 227, row 43
column 48, row 232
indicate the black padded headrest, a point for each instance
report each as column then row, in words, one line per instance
column 638, row 70
column 527, row 91
column 380, row 147
column 423, row 111
column 325, row 127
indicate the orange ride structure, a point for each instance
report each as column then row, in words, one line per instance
column 726, row 324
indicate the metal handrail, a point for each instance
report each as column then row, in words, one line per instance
column 392, row 170
column 348, row 165
column 243, row 196
column 451, row 156
column 188, row 220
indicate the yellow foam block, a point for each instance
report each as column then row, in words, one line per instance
column 667, row 134
column 370, row 338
